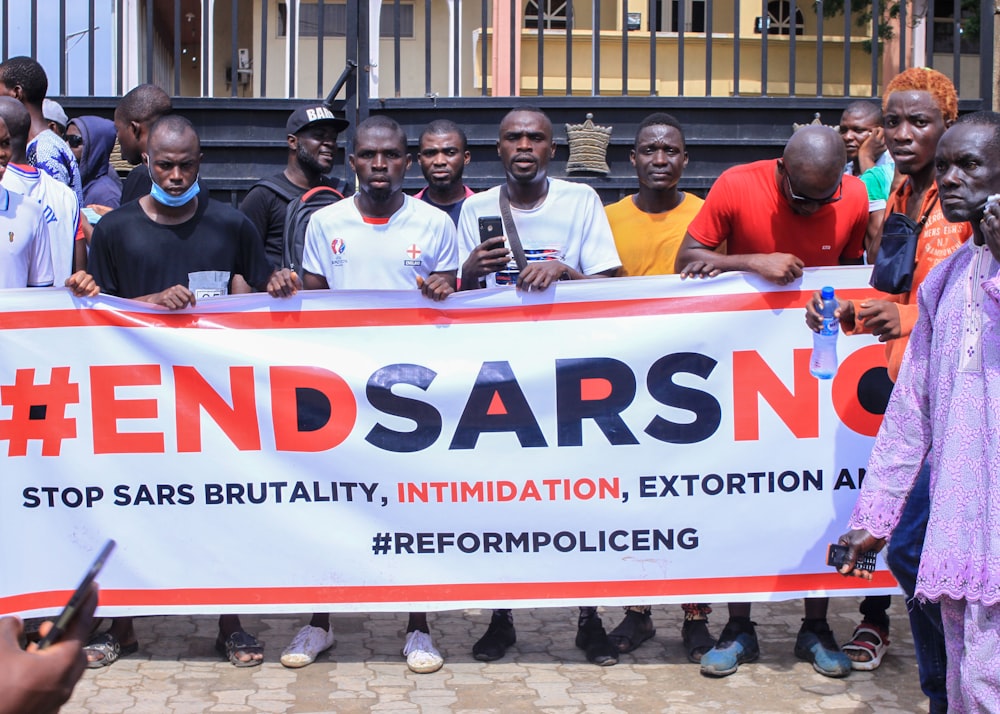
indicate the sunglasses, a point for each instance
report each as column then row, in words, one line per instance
column 838, row 193
column 75, row 141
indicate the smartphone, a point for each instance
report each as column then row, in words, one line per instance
column 490, row 227
column 836, row 555
column 69, row 612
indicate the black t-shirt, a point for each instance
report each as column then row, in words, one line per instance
column 454, row 210
column 267, row 211
column 132, row 256
column 137, row 184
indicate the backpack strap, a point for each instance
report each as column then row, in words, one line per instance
column 275, row 187
column 319, row 189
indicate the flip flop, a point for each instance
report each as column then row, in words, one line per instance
column 239, row 641
column 110, row 649
column 874, row 649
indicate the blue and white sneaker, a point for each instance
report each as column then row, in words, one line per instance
column 815, row 643
column 737, row 644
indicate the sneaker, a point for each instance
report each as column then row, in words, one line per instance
column 421, row 655
column 592, row 639
column 306, row 646
column 493, row 645
column 815, row 644
column 737, row 644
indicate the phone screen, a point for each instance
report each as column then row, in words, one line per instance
column 69, row 612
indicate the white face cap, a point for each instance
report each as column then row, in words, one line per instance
column 53, row 111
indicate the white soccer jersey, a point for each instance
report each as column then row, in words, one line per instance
column 570, row 226
column 25, row 260
column 355, row 253
column 61, row 209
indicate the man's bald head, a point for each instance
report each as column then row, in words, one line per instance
column 18, row 120
column 144, row 104
column 171, row 129
column 814, row 160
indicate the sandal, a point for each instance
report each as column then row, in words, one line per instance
column 636, row 628
column 237, row 642
column 697, row 639
column 109, row 648
column 870, row 641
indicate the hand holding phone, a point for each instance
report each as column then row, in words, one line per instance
column 77, row 598
column 490, row 227
column 489, row 256
column 836, row 556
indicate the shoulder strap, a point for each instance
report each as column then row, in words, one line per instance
column 511, row 230
column 277, row 188
column 927, row 213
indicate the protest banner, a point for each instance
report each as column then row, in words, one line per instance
column 602, row 442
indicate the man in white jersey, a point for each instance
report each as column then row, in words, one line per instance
column 380, row 239
column 27, row 261
column 565, row 235
column 59, row 204
column 562, row 226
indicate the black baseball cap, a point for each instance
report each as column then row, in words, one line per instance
column 319, row 114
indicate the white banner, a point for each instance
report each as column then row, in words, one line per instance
column 602, row 442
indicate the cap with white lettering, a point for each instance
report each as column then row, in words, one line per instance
column 320, row 114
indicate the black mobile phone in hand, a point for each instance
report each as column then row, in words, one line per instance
column 836, row 556
column 490, row 227
column 69, row 612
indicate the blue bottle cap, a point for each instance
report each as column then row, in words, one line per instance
column 827, row 293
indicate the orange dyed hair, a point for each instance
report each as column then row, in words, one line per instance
column 924, row 79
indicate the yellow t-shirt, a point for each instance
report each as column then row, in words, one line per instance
column 647, row 243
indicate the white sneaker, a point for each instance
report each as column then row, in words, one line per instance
column 307, row 644
column 421, row 655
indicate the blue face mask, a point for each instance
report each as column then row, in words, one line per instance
column 168, row 199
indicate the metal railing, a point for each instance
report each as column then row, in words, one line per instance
column 473, row 48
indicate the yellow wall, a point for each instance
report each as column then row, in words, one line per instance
column 694, row 66
column 222, row 36
column 412, row 58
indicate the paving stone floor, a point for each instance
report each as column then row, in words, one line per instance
column 178, row 672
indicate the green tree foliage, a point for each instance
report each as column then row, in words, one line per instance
column 862, row 10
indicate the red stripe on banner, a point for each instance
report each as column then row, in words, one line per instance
column 382, row 317
column 417, row 594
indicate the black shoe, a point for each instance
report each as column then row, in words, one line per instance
column 636, row 628
column 493, row 645
column 592, row 639
column 697, row 639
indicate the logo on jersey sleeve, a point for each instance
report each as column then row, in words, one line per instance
column 413, row 256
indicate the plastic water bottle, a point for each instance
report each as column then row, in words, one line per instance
column 823, row 363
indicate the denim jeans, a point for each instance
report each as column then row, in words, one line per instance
column 903, row 559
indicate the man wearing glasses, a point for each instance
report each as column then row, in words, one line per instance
column 778, row 216
column 775, row 218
